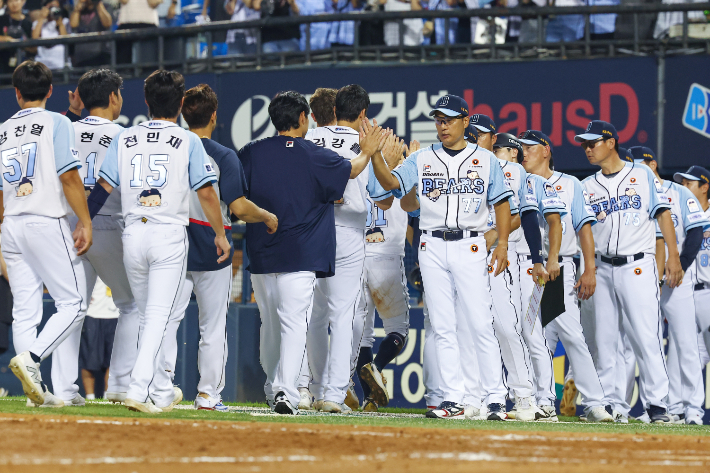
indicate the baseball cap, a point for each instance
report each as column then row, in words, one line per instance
column 471, row 133
column 451, row 106
column 642, row 153
column 483, row 123
column 695, row 173
column 625, row 155
column 597, row 129
column 506, row 140
column 535, row 137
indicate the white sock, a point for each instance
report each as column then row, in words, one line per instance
column 90, row 397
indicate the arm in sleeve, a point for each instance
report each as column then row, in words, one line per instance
column 407, row 174
column 109, row 168
column 691, row 212
column 374, row 189
column 73, row 117
column 691, row 246
column 200, row 168
column 232, row 182
column 498, row 189
column 658, row 200
column 65, row 156
column 581, row 212
column 331, row 171
column 531, row 229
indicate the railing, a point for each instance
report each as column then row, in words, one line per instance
column 178, row 47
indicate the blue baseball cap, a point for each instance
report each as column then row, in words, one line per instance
column 625, row 155
column 483, row 123
column 535, row 137
column 597, row 129
column 642, row 153
column 451, row 106
column 471, row 134
column 695, row 173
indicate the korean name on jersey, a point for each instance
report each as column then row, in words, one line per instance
column 36, row 147
column 93, row 136
column 156, row 164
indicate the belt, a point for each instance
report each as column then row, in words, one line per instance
column 560, row 259
column 621, row 260
column 701, row 286
column 451, row 235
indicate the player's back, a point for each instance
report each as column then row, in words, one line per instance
column 387, row 229
column 351, row 210
column 36, row 147
column 92, row 137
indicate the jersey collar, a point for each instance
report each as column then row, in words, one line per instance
column 92, row 119
column 667, row 184
column 28, row 111
column 342, row 129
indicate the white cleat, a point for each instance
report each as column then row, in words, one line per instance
column 472, row 412
column 306, row 402
column 115, row 397
column 619, row 418
column 550, row 414
column 644, row 418
column 351, row 399
column 50, row 401
column 318, row 405
column 374, row 379
column 694, row 419
column 177, row 399
column 524, row 410
column 209, row 404
column 599, row 414
column 27, row 371
column 147, row 407
column 335, row 408
column 78, row 401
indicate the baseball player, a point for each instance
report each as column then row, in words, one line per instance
column 626, row 199
column 486, row 130
column 677, row 304
column 158, row 155
column 40, row 184
column 211, row 281
column 456, row 182
column 576, row 224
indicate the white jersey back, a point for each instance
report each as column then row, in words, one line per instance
column 702, row 261
column 92, row 137
column 36, row 147
column 351, row 210
column 156, row 164
column 570, row 191
column 387, row 229
column 513, row 177
column 625, row 205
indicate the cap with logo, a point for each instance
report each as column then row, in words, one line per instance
column 597, row 129
column 471, row 134
column 506, row 140
column 695, row 173
column 625, row 155
column 641, row 153
column 483, row 123
column 451, row 106
column 535, row 137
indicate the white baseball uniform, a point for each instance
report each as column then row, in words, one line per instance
column 156, row 164
column 701, row 284
column 627, row 292
column 36, row 147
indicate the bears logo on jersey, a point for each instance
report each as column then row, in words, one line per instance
column 25, row 187
column 150, row 198
column 375, row 235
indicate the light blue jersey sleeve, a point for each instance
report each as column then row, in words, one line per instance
column 581, row 212
column 538, row 194
column 692, row 213
column 66, row 157
column 498, row 189
column 658, row 200
column 109, row 168
column 376, row 191
column 200, row 167
column 407, row 175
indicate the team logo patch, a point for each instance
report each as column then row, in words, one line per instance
column 530, row 187
column 208, row 168
column 633, row 180
column 427, row 168
column 144, row 220
column 475, row 162
column 693, row 206
column 490, row 269
column 670, row 200
column 529, row 271
column 558, row 188
column 422, row 246
column 629, row 191
column 508, row 174
column 375, row 235
column 150, row 198
column 289, row 144
column 549, row 190
column 24, row 188
column 659, row 187
column 637, row 271
column 474, row 248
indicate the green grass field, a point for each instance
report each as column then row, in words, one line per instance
column 16, row 405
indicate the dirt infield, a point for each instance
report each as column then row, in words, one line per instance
column 72, row 443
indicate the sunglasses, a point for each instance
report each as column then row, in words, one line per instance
column 592, row 144
column 446, row 120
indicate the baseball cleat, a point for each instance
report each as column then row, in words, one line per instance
column 568, row 404
column 524, row 410
column 496, row 412
column 658, row 415
column 374, row 379
column 677, row 418
column 270, row 403
column 283, row 405
column 306, row 402
column 599, row 414
column 472, row 412
column 619, row 418
column 370, row 406
column 513, row 413
column 351, row 398
column 50, row 401
column 115, row 397
column 177, row 399
column 644, row 418
column 27, row 371
column 694, row 419
column 78, row 401
column 147, row 407
column 209, row 403
column 335, row 408
column 550, row 414
column 448, row 410
column 4, row 392
column 318, row 405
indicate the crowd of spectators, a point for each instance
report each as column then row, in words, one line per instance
column 24, row 19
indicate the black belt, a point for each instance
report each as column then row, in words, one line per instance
column 701, row 286
column 560, row 259
column 451, row 235
column 621, row 260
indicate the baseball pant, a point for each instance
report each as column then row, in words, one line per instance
column 155, row 257
column 105, row 260
column 39, row 251
column 627, row 297
column 702, row 312
column 625, row 377
column 455, row 276
column 335, row 305
column 568, row 329
column 508, row 326
column 544, row 382
column 285, row 303
column 213, row 290
column 680, row 399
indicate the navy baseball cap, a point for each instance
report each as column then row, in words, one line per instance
column 451, row 106
column 483, row 123
column 471, row 133
column 597, row 129
column 695, row 173
column 625, row 155
column 535, row 137
column 506, row 140
column 642, row 153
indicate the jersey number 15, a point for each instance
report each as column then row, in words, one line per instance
column 156, row 163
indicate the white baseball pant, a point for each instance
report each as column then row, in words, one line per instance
column 568, row 329
column 39, row 251
column 335, row 305
column 155, row 257
column 213, row 290
column 701, row 296
column 627, row 297
column 105, row 259
column 544, row 381
column 625, row 377
column 285, row 303
column 455, row 276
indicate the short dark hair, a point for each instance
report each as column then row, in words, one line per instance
column 322, row 102
column 164, row 91
column 350, row 101
column 616, row 144
column 199, row 105
column 97, row 85
column 285, row 109
column 33, row 80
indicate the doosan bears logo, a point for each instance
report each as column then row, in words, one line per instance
column 630, row 200
column 471, row 184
